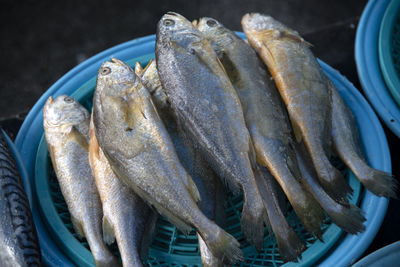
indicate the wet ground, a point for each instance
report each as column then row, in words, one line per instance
column 42, row 40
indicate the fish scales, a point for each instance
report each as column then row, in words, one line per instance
column 208, row 110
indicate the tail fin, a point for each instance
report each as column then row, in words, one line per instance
column 289, row 244
column 380, row 183
column 207, row 258
column 252, row 223
column 350, row 219
column 336, row 186
column 223, row 246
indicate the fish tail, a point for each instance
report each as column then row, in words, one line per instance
column 252, row 223
column 378, row 182
column 290, row 246
column 350, row 218
column 332, row 180
column 221, row 244
column 207, row 258
column 102, row 256
column 289, row 243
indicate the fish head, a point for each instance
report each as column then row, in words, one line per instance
column 216, row 33
column 260, row 28
column 115, row 77
column 260, row 22
column 174, row 30
column 63, row 112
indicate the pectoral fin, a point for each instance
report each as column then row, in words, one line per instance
column 108, row 231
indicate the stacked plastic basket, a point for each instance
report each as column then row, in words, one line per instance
column 377, row 52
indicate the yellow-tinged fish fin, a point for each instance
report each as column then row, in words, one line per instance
column 294, row 37
column 77, row 227
column 195, row 23
column 79, row 138
column 148, row 65
column 296, row 131
column 252, row 154
column 181, row 225
column 93, row 143
column 108, row 231
column 193, row 190
column 138, row 69
column 149, row 234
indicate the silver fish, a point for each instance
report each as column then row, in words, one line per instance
column 126, row 217
column 265, row 117
column 66, row 125
column 208, row 184
column 141, row 153
column 208, row 109
column 347, row 144
column 303, row 87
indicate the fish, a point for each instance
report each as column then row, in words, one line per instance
column 208, row 110
column 265, row 117
column 210, row 188
column 304, row 90
column 66, row 127
column 290, row 245
column 140, row 151
column 347, row 216
column 347, row 145
column 19, row 245
column 126, row 217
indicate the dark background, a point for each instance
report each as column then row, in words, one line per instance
column 41, row 41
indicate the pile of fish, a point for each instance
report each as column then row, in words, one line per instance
column 212, row 112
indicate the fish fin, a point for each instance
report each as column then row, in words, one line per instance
column 108, row 231
column 252, row 223
column 296, row 131
column 77, row 227
column 337, row 187
column 181, row 225
column 192, row 188
column 252, row 154
column 195, row 23
column 224, row 246
column 139, row 70
column 149, row 234
column 350, row 218
column 148, row 65
column 79, row 138
column 290, row 246
column 380, row 183
column 294, row 37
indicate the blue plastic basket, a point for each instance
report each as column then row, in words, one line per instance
column 347, row 250
column 367, row 60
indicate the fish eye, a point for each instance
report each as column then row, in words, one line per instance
column 169, row 22
column 105, row 71
column 211, row 22
column 68, row 99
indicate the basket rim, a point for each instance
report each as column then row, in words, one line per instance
column 385, row 46
column 368, row 69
